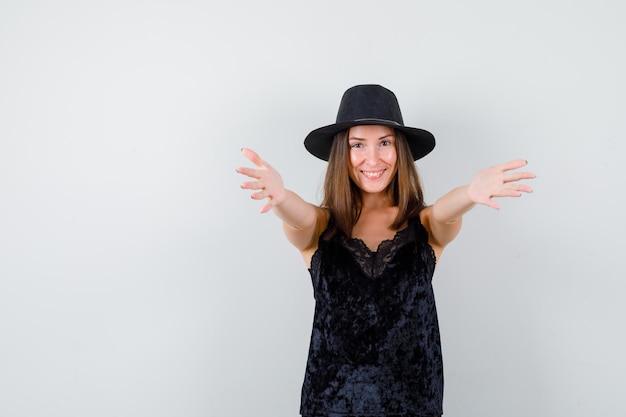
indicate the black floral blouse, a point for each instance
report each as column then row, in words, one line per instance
column 375, row 346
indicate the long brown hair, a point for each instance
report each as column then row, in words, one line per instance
column 342, row 197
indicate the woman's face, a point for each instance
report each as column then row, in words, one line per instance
column 373, row 158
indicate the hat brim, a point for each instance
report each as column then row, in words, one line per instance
column 319, row 141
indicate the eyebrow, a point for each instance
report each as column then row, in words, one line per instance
column 382, row 137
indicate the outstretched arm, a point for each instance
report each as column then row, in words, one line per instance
column 443, row 219
column 302, row 221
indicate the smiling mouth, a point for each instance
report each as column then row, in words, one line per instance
column 373, row 175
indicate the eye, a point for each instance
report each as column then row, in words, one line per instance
column 356, row 145
column 385, row 143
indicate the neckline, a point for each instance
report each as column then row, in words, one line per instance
column 383, row 243
column 374, row 263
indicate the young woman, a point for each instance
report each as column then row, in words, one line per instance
column 371, row 249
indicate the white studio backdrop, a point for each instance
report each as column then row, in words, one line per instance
column 138, row 279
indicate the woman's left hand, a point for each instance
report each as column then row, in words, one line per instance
column 498, row 181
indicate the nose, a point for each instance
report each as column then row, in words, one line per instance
column 372, row 155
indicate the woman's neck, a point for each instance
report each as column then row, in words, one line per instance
column 376, row 201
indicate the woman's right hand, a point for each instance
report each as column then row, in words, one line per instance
column 268, row 184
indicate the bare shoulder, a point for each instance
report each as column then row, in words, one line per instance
column 305, row 237
column 321, row 224
column 425, row 218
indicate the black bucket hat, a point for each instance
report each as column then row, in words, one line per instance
column 368, row 105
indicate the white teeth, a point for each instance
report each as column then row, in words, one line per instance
column 373, row 175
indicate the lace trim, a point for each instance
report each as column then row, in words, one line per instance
column 373, row 263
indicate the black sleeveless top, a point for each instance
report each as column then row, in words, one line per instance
column 375, row 347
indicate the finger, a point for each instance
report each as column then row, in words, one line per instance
column 514, row 164
column 249, row 172
column 252, row 185
column 518, row 186
column 491, row 203
column 260, row 195
column 517, row 176
column 507, row 193
column 513, row 190
column 523, row 188
column 507, row 190
column 487, row 201
column 253, row 157
column 266, row 207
